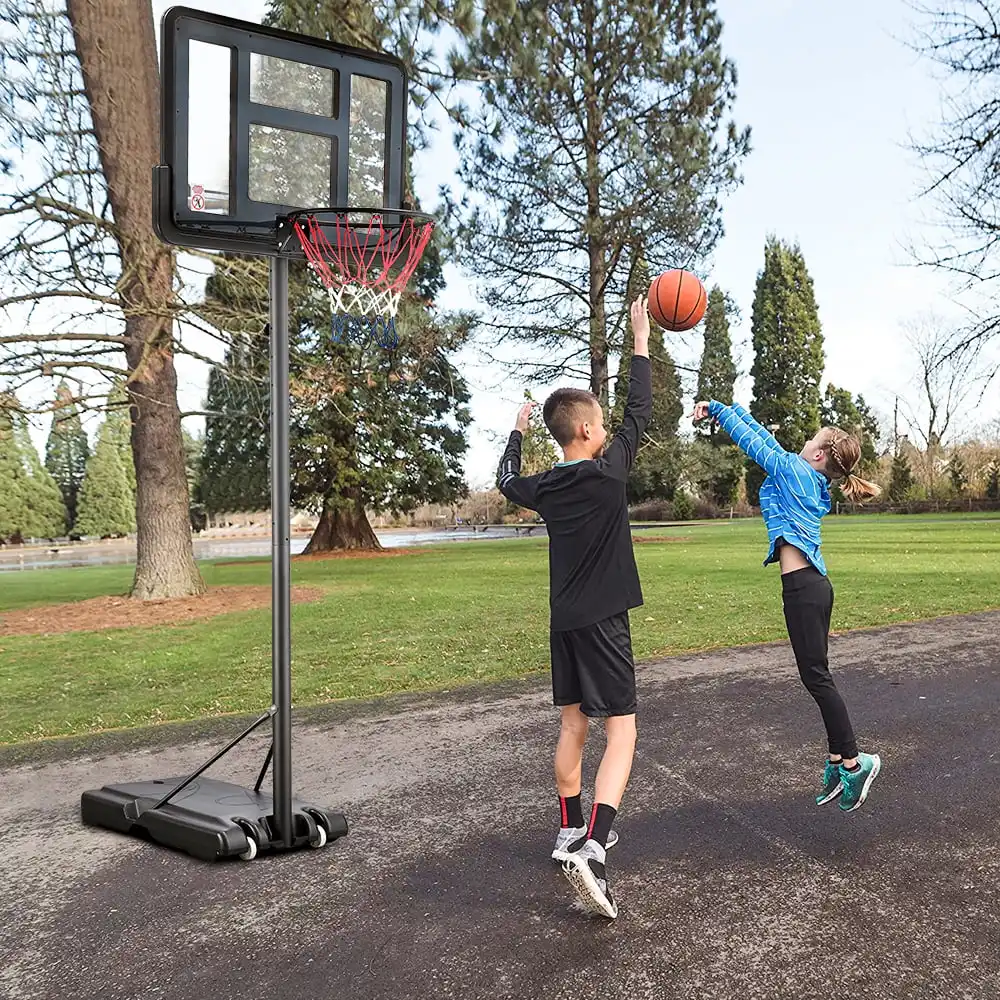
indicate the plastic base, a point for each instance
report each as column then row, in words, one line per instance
column 209, row 819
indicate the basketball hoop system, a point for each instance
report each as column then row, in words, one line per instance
column 365, row 266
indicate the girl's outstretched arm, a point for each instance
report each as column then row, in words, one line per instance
column 757, row 443
column 759, row 429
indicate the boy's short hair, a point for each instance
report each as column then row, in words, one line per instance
column 565, row 410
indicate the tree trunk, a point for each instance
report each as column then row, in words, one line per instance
column 342, row 527
column 116, row 45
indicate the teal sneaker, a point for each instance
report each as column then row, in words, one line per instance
column 832, row 785
column 857, row 783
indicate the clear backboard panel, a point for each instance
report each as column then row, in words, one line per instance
column 257, row 123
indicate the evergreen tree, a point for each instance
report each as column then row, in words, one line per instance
column 193, row 447
column 717, row 370
column 788, row 353
column 719, row 471
column 67, row 450
column 106, row 506
column 993, row 480
column 901, row 479
column 233, row 474
column 603, row 126
column 956, row 473
column 46, row 512
column 370, row 428
column 838, row 409
column 119, row 420
column 657, row 467
column 14, row 486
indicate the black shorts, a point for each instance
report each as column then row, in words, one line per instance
column 593, row 667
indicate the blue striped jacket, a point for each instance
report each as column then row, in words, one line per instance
column 794, row 496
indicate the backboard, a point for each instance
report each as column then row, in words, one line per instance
column 258, row 123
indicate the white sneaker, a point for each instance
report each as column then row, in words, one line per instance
column 570, row 837
column 586, row 872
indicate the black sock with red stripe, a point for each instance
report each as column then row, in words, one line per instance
column 571, row 811
column 601, row 819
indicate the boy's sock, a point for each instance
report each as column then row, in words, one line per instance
column 601, row 819
column 851, row 770
column 570, row 811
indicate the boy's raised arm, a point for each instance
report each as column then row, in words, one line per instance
column 518, row 489
column 621, row 453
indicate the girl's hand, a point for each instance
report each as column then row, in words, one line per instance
column 700, row 412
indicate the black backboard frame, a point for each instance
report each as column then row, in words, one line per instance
column 252, row 227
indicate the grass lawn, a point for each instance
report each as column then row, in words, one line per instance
column 457, row 613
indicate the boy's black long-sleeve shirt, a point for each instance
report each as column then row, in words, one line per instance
column 592, row 572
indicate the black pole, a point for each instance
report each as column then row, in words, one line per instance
column 281, row 638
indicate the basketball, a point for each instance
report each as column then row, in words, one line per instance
column 677, row 300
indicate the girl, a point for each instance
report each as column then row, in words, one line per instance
column 793, row 498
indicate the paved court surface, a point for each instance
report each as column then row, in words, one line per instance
column 732, row 885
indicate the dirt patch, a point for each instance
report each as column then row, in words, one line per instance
column 335, row 554
column 100, row 613
column 357, row 554
column 643, row 539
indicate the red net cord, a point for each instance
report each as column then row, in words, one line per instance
column 380, row 260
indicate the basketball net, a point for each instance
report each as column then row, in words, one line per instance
column 367, row 266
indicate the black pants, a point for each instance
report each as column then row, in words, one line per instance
column 807, row 596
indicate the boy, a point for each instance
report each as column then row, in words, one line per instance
column 593, row 582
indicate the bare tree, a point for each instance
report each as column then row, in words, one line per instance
column 962, row 156
column 949, row 374
column 88, row 281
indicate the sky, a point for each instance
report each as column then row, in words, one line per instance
column 832, row 94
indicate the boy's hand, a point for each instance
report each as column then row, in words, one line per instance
column 700, row 411
column 640, row 322
column 523, row 417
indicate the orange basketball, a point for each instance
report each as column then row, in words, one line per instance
column 677, row 300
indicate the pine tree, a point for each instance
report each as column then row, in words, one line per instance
column 993, row 480
column 106, row 506
column 67, row 450
column 657, row 467
column 717, row 370
column 46, row 512
column 838, row 409
column 901, row 479
column 370, row 428
column 788, row 353
column 956, row 473
column 602, row 127
column 14, row 487
column 119, row 419
column 720, row 469
column 233, row 473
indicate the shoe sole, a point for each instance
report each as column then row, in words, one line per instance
column 876, row 767
column 562, row 856
column 832, row 795
column 588, row 891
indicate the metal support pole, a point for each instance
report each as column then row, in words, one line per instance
column 204, row 767
column 281, row 638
